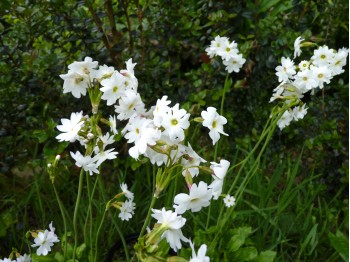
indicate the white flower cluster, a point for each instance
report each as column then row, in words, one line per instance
column 157, row 134
column 295, row 81
column 228, row 51
column 24, row 258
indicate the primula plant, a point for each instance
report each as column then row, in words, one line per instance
column 161, row 135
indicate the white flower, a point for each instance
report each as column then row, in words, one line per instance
column 285, row 120
column 45, row 240
column 229, row 201
column 75, row 83
column 191, row 162
column 113, row 88
column 130, row 80
column 338, row 61
column 299, row 112
column 220, row 171
column 70, row 127
column 101, row 156
column 297, row 50
column 84, row 67
column 234, row 63
column 128, row 194
column 7, row 260
column 161, row 108
column 175, row 122
column 24, row 258
column 141, row 132
column 303, row 65
column 305, row 80
column 86, row 162
column 102, row 72
column 173, row 224
column 129, row 104
column 215, row 45
column 215, row 123
column 322, row 56
column 127, row 210
column 286, row 70
column 201, row 255
column 113, row 124
column 323, row 75
column 227, row 50
column 199, row 197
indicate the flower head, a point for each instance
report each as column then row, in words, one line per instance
column 198, row 197
column 45, row 240
column 229, row 201
column 215, row 123
column 172, row 224
column 201, row 255
column 70, row 127
column 297, row 50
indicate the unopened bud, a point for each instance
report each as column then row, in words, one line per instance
column 90, row 135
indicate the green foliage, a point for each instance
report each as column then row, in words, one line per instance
column 167, row 39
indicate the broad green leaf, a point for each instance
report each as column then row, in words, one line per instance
column 244, row 254
column 239, row 237
column 340, row 244
column 265, row 256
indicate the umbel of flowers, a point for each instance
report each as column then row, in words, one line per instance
column 157, row 133
column 307, row 76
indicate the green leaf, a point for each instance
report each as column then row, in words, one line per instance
column 265, row 256
column 245, row 254
column 48, row 258
column 41, row 135
column 80, row 250
column 239, row 237
column 340, row 243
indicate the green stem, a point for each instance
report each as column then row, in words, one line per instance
column 98, row 233
column 75, row 216
column 64, row 220
column 148, row 217
column 126, row 252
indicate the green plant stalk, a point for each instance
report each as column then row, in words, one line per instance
column 120, row 233
column 98, row 233
column 89, row 212
column 75, row 216
column 63, row 218
column 148, row 217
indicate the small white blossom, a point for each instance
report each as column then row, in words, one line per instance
column 173, row 224
column 286, row 70
column 229, row 201
column 201, row 255
column 215, row 123
column 45, row 240
column 198, row 197
column 86, row 162
column 220, row 171
column 297, row 50
column 70, row 127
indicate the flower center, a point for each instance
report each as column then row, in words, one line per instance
column 320, row 76
column 323, row 56
column 214, row 124
column 174, row 122
column 115, row 89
